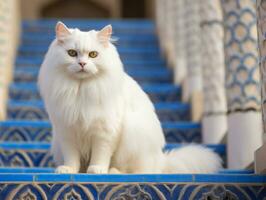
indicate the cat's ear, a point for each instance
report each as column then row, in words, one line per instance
column 104, row 35
column 61, row 31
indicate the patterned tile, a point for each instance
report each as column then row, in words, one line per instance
column 136, row 191
column 38, row 155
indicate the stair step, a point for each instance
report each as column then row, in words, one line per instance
column 157, row 92
column 130, row 38
column 137, row 26
column 141, row 75
column 33, row 61
column 120, row 44
column 36, row 154
column 152, row 186
column 52, row 170
column 40, row 131
column 34, row 110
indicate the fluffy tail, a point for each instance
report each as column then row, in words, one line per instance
column 192, row 159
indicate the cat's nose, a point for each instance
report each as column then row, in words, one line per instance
column 82, row 64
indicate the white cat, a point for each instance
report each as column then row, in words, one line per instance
column 102, row 120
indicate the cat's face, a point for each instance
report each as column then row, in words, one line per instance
column 82, row 54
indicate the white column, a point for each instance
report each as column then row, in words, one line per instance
column 242, row 82
column 193, row 83
column 214, row 124
column 260, row 156
column 180, row 69
column 9, row 34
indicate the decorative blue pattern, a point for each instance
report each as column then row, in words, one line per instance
column 37, row 154
column 241, row 56
column 136, row 191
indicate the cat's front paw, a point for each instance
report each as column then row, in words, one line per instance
column 97, row 169
column 63, row 169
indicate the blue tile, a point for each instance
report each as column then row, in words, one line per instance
column 53, row 178
column 44, row 124
column 26, row 170
column 133, row 178
column 25, row 146
column 16, row 178
column 181, row 125
column 230, row 178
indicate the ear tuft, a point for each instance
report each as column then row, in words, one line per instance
column 61, row 30
column 105, row 34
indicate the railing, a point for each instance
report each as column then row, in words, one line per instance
column 212, row 47
column 9, row 33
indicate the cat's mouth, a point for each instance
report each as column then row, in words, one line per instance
column 82, row 71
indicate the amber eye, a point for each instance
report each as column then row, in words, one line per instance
column 72, row 52
column 93, row 54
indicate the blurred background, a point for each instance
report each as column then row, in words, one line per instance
column 87, row 9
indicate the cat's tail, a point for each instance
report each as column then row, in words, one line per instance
column 192, row 159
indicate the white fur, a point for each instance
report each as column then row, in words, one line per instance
column 102, row 119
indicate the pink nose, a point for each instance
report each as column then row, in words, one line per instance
column 82, row 64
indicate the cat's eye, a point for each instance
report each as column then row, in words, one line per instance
column 72, row 53
column 93, row 54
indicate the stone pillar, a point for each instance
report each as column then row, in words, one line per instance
column 180, row 69
column 9, row 34
column 260, row 158
column 192, row 90
column 242, row 82
column 214, row 123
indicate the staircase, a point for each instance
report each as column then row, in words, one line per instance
column 27, row 168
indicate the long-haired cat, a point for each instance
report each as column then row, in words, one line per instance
column 102, row 120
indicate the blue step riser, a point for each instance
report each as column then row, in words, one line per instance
column 47, row 38
column 128, row 27
column 174, row 133
column 38, row 113
column 52, row 170
column 137, row 187
column 127, row 37
column 38, row 155
column 119, row 44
